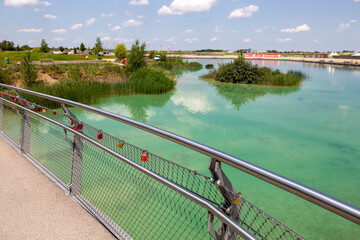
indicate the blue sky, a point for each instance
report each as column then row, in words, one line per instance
column 186, row 24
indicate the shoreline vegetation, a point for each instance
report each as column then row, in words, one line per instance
column 241, row 71
column 88, row 82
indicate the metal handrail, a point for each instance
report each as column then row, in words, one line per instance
column 328, row 202
column 179, row 189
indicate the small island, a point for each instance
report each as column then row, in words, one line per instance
column 241, row 71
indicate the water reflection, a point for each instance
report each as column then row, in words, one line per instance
column 136, row 106
column 194, row 102
column 240, row 95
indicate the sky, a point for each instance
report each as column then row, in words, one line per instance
column 283, row 25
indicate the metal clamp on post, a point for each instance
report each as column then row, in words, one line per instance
column 232, row 199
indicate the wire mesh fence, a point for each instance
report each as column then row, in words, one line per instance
column 136, row 205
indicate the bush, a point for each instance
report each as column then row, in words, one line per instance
column 120, row 51
column 148, row 80
column 136, row 59
column 195, row 65
column 5, row 76
column 209, row 66
column 28, row 70
column 242, row 71
column 36, row 49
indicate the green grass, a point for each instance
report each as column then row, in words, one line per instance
column 15, row 57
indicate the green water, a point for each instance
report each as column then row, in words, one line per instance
column 308, row 133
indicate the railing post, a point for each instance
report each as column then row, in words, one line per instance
column 25, row 134
column 76, row 166
column 229, row 193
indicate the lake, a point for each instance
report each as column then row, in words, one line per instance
column 310, row 134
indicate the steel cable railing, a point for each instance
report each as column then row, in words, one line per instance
column 101, row 178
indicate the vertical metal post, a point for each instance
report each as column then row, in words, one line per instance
column 76, row 167
column 229, row 192
column 25, row 134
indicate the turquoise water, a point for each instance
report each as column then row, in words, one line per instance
column 308, row 133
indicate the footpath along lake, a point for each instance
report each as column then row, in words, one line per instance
column 309, row 133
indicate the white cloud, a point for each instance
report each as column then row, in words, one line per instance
column 213, row 39
column 50, row 16
column 261, row 29
column 59, row 39
column 61, row 30
column 76, row 26
column 139, row 2
column 141, row 16
column 169, row 40
column 283, row 40
column 217, row 29
column 131, row 23
column 31, row 30
column 316, row 41
column 180, row 7
column 353, row 20
column 191, row 40
column 189, row 31
column 342, row 27
column 109, row 24
column 244, row 12
column 90, row 21
column 247, row 40
column 356, row 0
column 37, row 9
column 115, row 28
column 22, row 3
column 125, row 40
column 105, row 39
column 158, row 21
column 301, row 28
column 45, row 4
column 107, row 15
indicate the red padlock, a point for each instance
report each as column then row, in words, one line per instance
column 24, row 102
column 15, row 99
column 144, row 156
column 54, row 113
column 76, row 128
column 3, row 94
column 38, row 109
column 80, row 126
column 100, row 135
column 71, row 123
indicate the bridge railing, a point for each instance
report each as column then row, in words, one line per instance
column 137, row 194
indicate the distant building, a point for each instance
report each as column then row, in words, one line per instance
column 245, row 50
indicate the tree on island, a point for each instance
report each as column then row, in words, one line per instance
column 44, row 46
column 82, row 47
column 120, row 51
column 61, row 48
column 98, row 46
column 136, row 59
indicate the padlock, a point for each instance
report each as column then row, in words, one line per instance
column 236, row 199
column 144, row 156
column 15, row 99
column 120, row 144
column 71, row 123
column 100, row 135
column 76, row 128
column 44, row 110
column 38, row 109
column 3, row 94
column 54, row 113
column 24, row 102
column 80, row 126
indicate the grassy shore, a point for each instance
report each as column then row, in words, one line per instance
column 15, row 57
